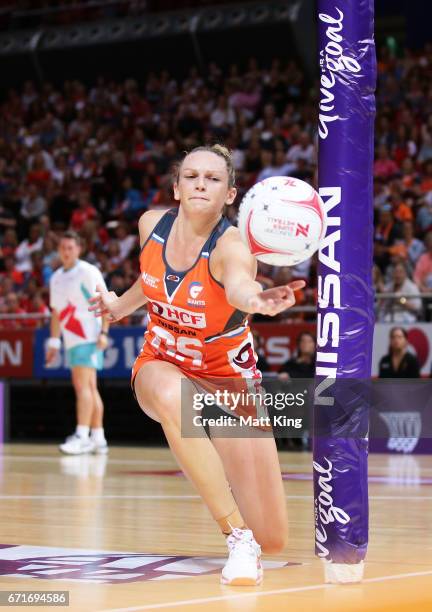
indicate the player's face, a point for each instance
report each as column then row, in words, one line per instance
column 69, row 252
column 202, row 184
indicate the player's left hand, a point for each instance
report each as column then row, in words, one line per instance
column 103, row 303
column 275, row 300
column 102, row 342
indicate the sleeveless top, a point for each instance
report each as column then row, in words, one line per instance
column 191, row 323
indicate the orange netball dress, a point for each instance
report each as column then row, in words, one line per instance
column 191, row 323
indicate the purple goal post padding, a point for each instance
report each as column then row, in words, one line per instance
column 345, row 295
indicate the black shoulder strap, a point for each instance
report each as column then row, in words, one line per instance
column 163, row 226
column 220, row 229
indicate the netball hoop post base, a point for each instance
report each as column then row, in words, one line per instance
column 343, row 573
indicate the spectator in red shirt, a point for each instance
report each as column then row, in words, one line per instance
column 10, row 271
column 83, row 213
column 37, row 306
column 39, row 175
column 8, row 243
column 384, row 166
column 28, row 294
column 13, row 307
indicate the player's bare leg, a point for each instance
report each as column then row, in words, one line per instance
column 158, row 387
column 253, row 471
column 98, row 407
column 96, row 424
column 82, row 383
column 80, row 443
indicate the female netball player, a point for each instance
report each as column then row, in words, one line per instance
column 198, row 279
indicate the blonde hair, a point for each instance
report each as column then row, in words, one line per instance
column 217, row 149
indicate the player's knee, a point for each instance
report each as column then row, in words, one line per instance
column 164, row 394
column 273, row 543
column 78, row 386
column 165, row 401
column 83, row 388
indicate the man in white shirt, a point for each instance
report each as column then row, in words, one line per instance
column 304, row 149
column 408, row 307
column 28, row 246
column 84, row 336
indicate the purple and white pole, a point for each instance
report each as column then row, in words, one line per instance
column 345, row 294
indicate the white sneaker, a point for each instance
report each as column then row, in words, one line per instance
column 243, row 567
column 75, row 445
column 100, row 448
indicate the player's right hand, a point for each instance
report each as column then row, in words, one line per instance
column 275, row 300
column 103, row 304
column 51, row 354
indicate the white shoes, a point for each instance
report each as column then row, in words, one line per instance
column 243, row 567
column 100, row 448
column 75, row 445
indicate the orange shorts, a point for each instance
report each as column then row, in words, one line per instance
column 246, row 390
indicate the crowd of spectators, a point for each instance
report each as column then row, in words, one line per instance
column 94, row 158
column 403, row 186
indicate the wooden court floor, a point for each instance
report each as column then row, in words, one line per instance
column 128, row 532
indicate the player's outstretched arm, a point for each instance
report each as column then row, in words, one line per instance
column 107, row 303
column 241, row 288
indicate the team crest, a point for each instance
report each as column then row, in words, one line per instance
column 195, row 290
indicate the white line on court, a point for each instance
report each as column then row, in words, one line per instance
column 399, row 497
column 312, row 587
column 78, row 497
column 37, row 458
column 180, row 497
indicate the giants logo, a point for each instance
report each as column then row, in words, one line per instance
column 179, row 315
column 195, row 289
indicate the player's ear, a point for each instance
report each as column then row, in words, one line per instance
column 231, row 195
column 176, row 191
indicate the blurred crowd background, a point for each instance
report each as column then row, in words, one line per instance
column 94, row 156
column 30, row 13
